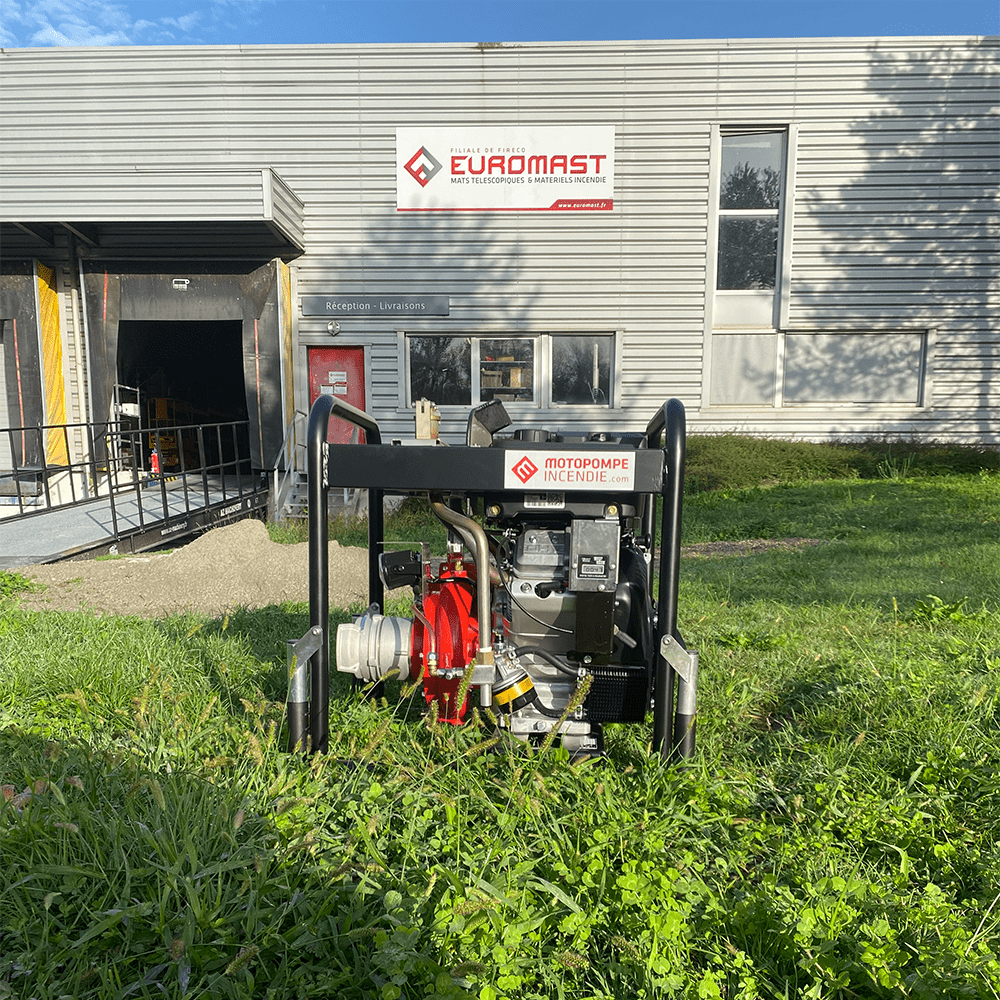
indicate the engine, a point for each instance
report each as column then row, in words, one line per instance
column 541, row 605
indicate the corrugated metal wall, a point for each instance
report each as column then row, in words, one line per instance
column 894, row 214
column 115, row 194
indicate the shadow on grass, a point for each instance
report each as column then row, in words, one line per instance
column 118, row 878
column 244, row 652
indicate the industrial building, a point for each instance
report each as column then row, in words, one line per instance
column 796, row 237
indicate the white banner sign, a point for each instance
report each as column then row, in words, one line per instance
column 569, row 470
column 517, row 169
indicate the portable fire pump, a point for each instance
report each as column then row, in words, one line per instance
column 554, row 605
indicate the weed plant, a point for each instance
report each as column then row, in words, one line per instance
column 12, row 583
column 834, row 838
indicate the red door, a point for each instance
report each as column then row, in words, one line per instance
column 340, row 372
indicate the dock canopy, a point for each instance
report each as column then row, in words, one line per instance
column 245, row 213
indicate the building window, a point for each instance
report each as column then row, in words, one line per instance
column 440, row 370
column 748, row 260
column 749, row 201
column 748, row 291
column 544, row 370
column 581, row 369
column 507, row 370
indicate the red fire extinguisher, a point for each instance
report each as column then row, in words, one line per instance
column 154, row 462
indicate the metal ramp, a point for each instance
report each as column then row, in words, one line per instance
column 112, row 502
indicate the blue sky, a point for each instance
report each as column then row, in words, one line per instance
column 28, row 23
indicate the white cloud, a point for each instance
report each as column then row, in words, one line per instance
column 76, row 34
column 184, row 23
column 67, row 22
column 135, row 22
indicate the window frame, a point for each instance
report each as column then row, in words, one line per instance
column 543, row 369
column 779, row 295
column 781, row 329
column 783, row 214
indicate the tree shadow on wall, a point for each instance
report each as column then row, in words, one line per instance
column 910, row 241
column 475, row 259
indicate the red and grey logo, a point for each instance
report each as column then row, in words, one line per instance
column 422, row 167
column 524, row 469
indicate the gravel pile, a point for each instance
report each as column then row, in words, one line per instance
column 233, row 566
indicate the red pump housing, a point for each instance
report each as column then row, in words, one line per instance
column 445, row 636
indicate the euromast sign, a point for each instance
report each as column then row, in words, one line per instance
column 516, row 169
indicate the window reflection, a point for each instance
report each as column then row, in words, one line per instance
column 581, row 370
column 748, row 252
column 440, row 369
column 751, row 171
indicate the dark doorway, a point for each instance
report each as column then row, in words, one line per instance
column 197, row 366
column 185, row 373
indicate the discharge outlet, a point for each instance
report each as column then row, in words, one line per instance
column 374, row 645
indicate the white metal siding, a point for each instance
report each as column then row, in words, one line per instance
column 895, row 207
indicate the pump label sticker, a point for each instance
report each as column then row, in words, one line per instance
column 593, row 567
column 548, row 471
column 545, row 501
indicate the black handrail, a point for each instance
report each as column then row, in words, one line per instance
column 122, row 467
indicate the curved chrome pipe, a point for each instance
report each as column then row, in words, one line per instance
column 470, row 529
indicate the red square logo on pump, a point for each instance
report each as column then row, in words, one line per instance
column 524, row 469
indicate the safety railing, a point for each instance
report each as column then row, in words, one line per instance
column 284, row 474
column 196, row 464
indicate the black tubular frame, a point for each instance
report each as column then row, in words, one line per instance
column 318, row 466
column 431, row 468
column 670, row 418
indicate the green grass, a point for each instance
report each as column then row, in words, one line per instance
column 835, row 836
column 12, row 583
column 732, row 461
column 884, row 540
